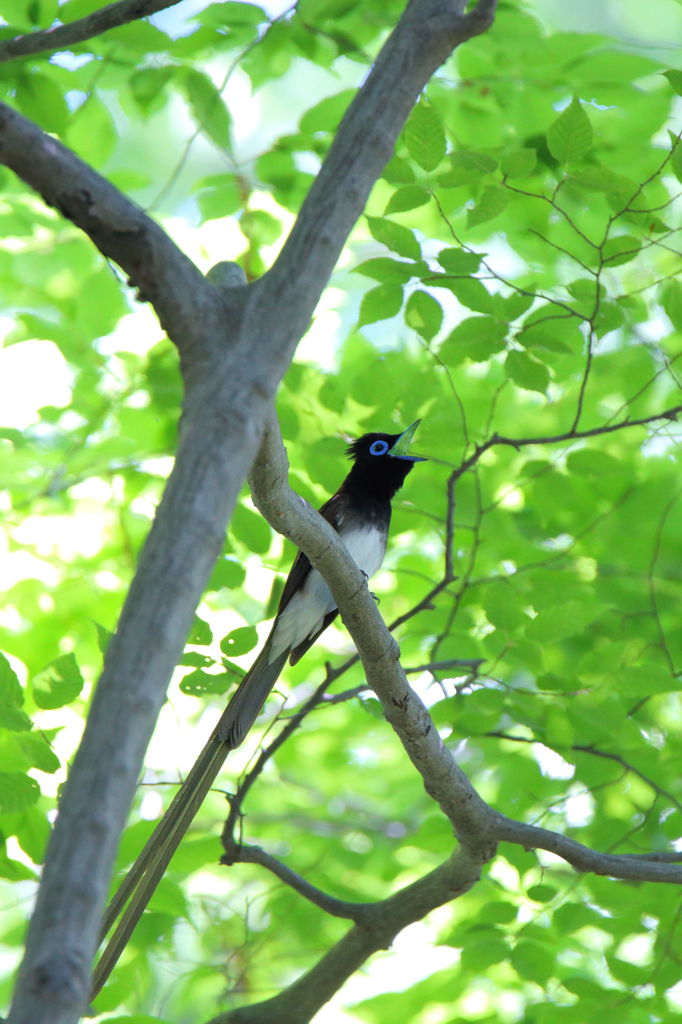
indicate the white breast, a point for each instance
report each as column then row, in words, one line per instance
column 303, row 616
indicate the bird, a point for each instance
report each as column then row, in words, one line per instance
column 360, row 512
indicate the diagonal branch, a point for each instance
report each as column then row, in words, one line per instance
column 65, row 36
column 237, row 853
column 299, row 1003
column 188, row 307
column 649, row 868
column 290, row 515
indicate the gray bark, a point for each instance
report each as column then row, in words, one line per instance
column 74, row 32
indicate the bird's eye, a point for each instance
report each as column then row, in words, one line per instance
column 378, row 448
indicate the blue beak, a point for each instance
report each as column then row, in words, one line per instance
column 400, row 448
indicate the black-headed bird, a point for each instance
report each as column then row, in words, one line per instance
column 360, row 512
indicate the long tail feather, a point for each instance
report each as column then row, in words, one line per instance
column 144, row 876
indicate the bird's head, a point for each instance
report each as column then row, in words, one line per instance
column 381, row 461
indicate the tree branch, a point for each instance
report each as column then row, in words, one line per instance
column 65, row 36
column 299, row 1003
column 236, row 853
column 189, row 308
column 290, row 515
column 650, row 868
column 570, row 435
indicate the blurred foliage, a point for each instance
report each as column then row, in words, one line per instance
column 514, row 278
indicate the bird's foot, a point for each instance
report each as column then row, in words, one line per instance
column 367, row 581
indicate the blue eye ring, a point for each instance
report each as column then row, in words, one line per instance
column 378, row 448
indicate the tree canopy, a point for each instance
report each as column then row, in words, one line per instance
column 513, row 283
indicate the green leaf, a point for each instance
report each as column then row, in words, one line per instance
column 199, row 683
column 593, row 463
column 548, row 334
column 476, row 338
column 58, row 684
column 476, row 164
column 620, row 250
column 533, row 960
column 409, row 197
column 585, row 989
column 395, row 237
column 675, row 79
column 594, row 178
column 676, row 155
column 502, row 609
column 572, row 916
column 423, row 314
column 326, row 115
column 260, row 226
column 570, row 137
column 221, row 201
column 372, row 706
column 527, row 372
column 389, row 271
column 200, row 634
column 541, row 893
column 564, row 620
column 73, row 9
column 192, row 659
column 39, row 97
column 17, row 791
column 234, row 14
column 92, row 132
column 14, row 870
column 671, row 300
column 492, row 203
column 239, row 641
column 208, row 107
column 424, row 136
column 227, row 573
column 613, row 66
column 11, row 689
column 103, row 637
column 39, row 753
column 458, row 261
column 147, row 87
column 380, row 303
column 558, row 731
column 469, row 291
column 482, row 953
column 519, row 164
column 251, row 529
column 631, row 974
column 233, row 669
column 12, row 717
column 398, row 172
column 42, row 12
column 646, row 680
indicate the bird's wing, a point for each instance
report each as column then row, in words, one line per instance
column 300, row 649
column 332, row 511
